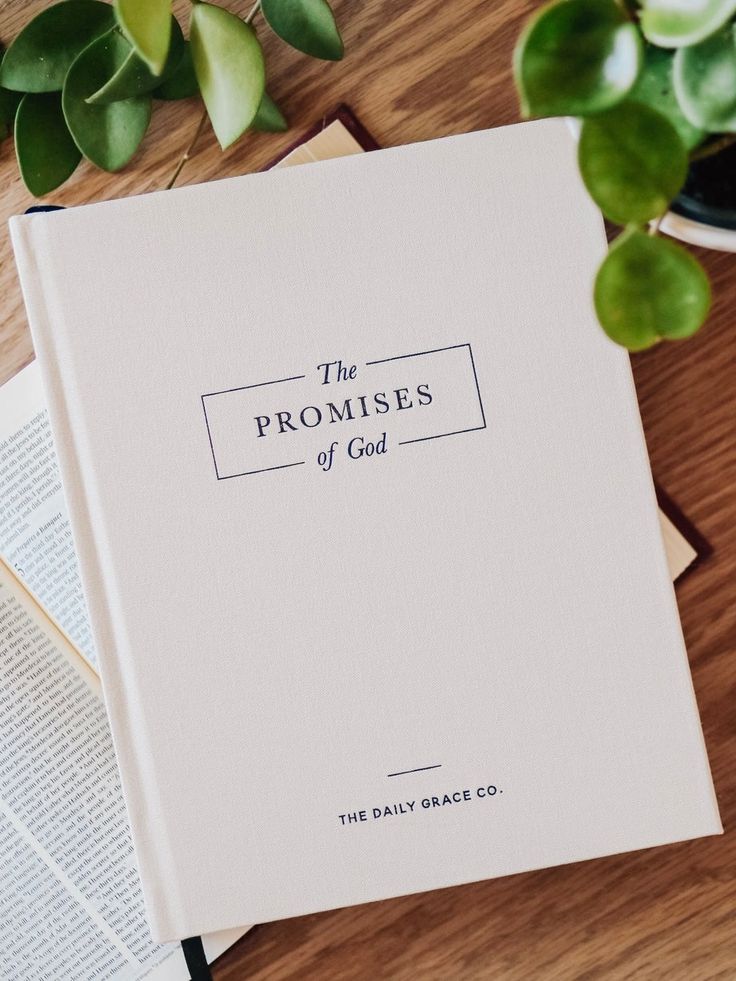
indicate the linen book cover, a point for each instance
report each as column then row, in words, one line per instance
column 366, row 528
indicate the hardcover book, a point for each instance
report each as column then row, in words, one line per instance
column 366, row 529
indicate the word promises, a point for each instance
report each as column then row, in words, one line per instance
column 347, row 410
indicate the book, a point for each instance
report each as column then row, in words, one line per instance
column 35, row 538
column 70, row 898
column 432, row 637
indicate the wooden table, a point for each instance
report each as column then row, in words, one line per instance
column 415, row 71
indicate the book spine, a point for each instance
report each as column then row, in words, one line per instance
column 34, row 254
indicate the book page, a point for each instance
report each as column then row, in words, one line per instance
column 70, row 899
column 35, row 537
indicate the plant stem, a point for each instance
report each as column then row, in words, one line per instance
column 188, row 152
column 710, row 149
column 253, row 11
column 630, row 9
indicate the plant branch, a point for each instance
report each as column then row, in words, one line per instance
column 715, row 146
column 253, row 11
column 630, row 9
column 188, row 152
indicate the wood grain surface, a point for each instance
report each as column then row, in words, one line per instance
column 415, row 71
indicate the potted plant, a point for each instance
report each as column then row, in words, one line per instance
column 653, row 85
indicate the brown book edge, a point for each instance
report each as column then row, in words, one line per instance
column 343, row 114
column 687, row 529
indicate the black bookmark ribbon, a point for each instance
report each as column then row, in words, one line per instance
column 194, row 955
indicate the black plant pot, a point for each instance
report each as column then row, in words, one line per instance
column 704, row 213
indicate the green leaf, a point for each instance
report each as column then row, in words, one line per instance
column 108, row 135
column 147, row 25
column 576, row 57
column 228, row 63
column 650, row 288
column 632, row 161
column 705, row 82
column 307, row 25
column 134, row 77
column 182, row 82
column 41, row 55
column 269, row 118
column 674, row 24
column 46, row 152
column 655, row 88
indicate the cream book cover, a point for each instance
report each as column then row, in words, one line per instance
column 366, row 529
